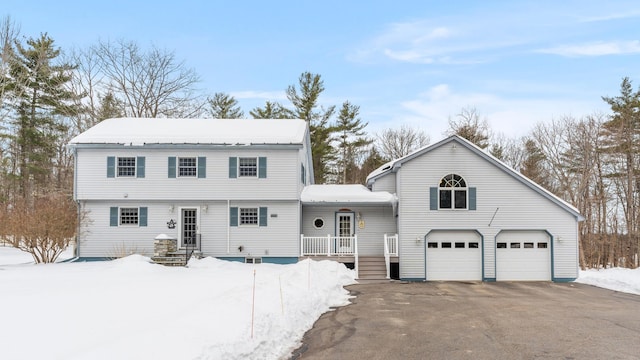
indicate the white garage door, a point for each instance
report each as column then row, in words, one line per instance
column 454, row 255
column 523, row 255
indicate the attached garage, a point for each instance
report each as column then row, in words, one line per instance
column 454, row 255
column 523, row 256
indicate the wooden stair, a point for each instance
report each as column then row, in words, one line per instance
column 371, row 268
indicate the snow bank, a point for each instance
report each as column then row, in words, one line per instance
column 133, row 309
column 618, row 279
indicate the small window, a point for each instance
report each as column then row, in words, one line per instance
column 432, row 245
column 460, row 245
column 126, row 167
column 248, row 216
column 502, row 245
column 446, row 245
column 542, row 245
column 129, row 216
column 528, row 245
column 187, row 167
column 253, row 260
column 318, row 223
column 473, row 245
column 248, row 167
column 515, row 245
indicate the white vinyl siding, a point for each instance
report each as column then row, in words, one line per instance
column 282, row 181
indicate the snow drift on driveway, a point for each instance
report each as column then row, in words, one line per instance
column 132, row 309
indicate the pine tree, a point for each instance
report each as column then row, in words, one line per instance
column 40, row 103
column 109, row 107
column 305, row 102
column 271, row 110
column 224, row 106
column 351, row 139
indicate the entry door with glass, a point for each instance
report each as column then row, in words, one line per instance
column 189, row 229
column 345, row 232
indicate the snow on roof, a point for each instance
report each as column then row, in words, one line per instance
column 140, row 131
column 345, row 194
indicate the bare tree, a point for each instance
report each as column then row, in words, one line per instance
column 396, row 143
column 44, row 229
column 469, row 125
column 149, row 83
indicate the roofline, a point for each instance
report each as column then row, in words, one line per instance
column 182, row 146
column 351, row 203
column 396, row 164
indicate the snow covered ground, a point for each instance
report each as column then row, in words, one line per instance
column 132, row 309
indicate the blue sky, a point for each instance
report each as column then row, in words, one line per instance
column 403, row 62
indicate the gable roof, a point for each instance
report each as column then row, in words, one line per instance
column 141, row 131
column 394, row 165
column 345, row 194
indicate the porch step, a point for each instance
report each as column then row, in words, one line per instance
column 371, row 267
column 175, row 258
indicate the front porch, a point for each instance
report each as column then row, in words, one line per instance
column 344, row 249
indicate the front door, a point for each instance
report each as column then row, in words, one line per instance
column 189, row 229
column 345, row 230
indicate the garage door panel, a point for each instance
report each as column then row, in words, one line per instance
column 523, row 256
column 454, row 256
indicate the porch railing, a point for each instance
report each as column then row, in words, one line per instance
column 328, row 245
column 390, row 249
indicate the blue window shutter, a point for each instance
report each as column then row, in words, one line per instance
column 263, row 216
column 111, row 166
column 233, row 167
column 472, row 198
column 262, row 167
column 113, row 218
column 202, row 167
column 172, row 166
column 140, row 166
column 142, row 216
column 233, row 216
column 433, row 198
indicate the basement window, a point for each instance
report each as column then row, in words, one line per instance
column 253, row 260
column 432, row 245
column 542, row 245
column 446, row 245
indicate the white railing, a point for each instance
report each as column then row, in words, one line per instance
column 390, row 248
column 328, row 245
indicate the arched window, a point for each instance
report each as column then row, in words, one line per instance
column 453, row 192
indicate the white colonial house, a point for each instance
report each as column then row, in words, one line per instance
column 242, row 190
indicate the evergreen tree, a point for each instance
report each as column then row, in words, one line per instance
column 224, row 106
column 40, row 102
column 351, row 139
column 305, row 102
column 109, row 107
column 271, row 110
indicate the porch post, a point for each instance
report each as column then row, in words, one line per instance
column 329, row 245
column 301, row 244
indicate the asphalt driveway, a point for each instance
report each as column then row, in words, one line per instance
column 455, row 320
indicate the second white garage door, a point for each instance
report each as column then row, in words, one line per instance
column 454, row 255
column 523, row 255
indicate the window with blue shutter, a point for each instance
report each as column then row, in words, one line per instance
column 233, row 216
column 233, row 167
column 202, row 167
column 263, row 216
column 111, row 166
column 140, row 163
column 172, row 166
column 113, row 216
column 262, row 167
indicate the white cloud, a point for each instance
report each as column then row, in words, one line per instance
column 600, row 48
column 432, row 109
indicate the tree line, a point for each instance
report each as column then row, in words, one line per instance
column 48, row 96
